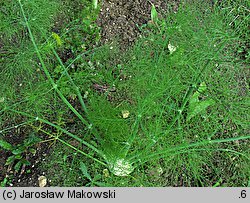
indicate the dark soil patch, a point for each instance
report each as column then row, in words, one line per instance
column 121, row 19
column 27, row 175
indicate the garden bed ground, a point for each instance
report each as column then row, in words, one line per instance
column 120, row 21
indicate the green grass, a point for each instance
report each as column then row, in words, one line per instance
column 189, row 109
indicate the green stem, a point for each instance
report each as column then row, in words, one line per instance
column 76, row 149
column 186, row 147
column 54, row 85
column 187, row 96
column 71, row 81
column 61, row 129
column 76, row 58
column 80, row 151
column 133, row 136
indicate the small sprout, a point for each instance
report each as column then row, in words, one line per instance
column 180, row 111
column 160, row 171
column 73, row 96
column 125, row 114
column 83, row 46
column 85, row 96
column 197, row 106
column 57, row 38
column 90, row 126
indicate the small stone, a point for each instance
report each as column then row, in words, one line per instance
column 42, row 180
column 106, row 173
column 125, row 114
column 171, row 48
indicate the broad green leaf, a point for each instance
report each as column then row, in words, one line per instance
column 32, row 150
column 4, row 182
column 25, row 162
column 18, row 165
column 18, row 156
column 65, row 157
column 10, row 160
column 154, row 14
column 85, row 171
column 198, row 107
column 97, row 177
column 194, row 99
column 5, row 145
column 195, row 105
column 19, row 150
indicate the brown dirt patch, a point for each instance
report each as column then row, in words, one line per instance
column 121, row 19
column 27, row 176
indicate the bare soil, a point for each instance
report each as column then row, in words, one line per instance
column 122, row 19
